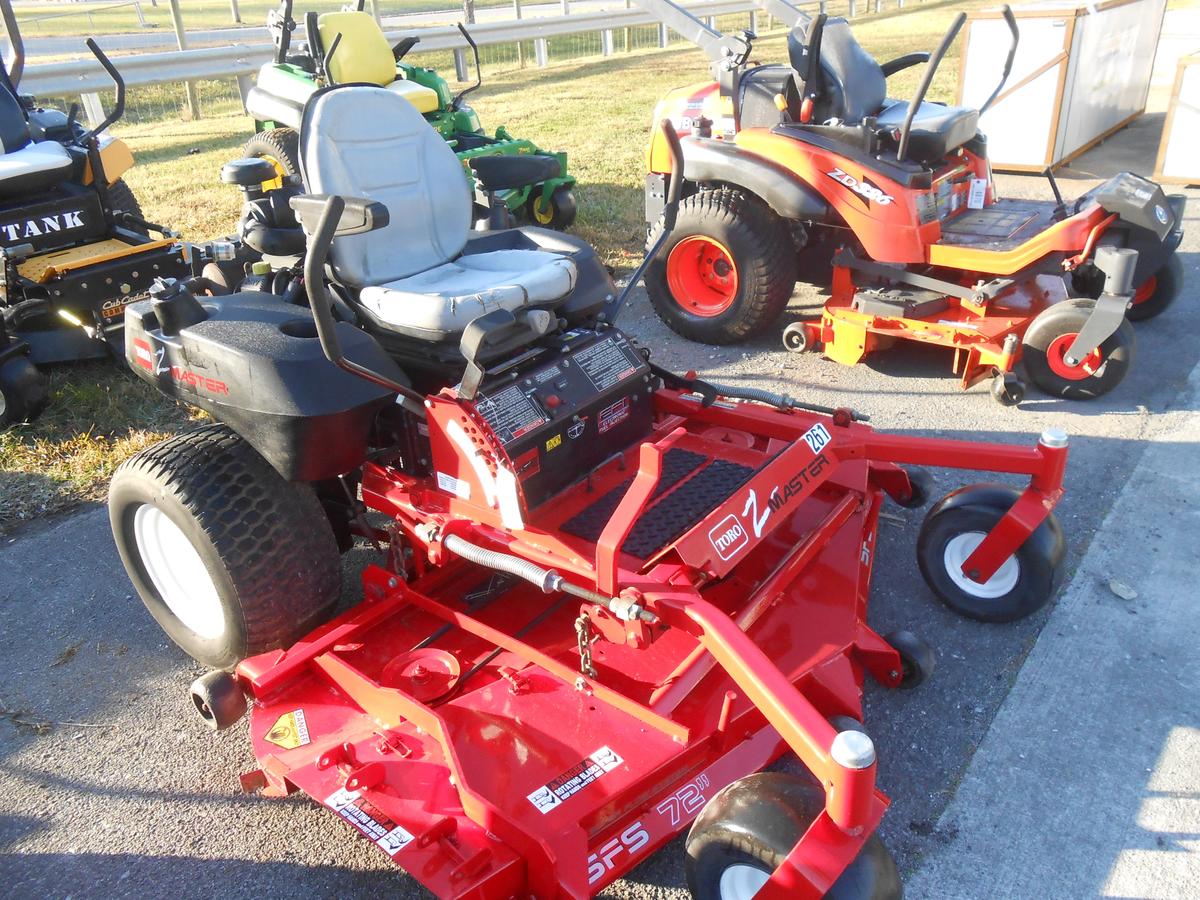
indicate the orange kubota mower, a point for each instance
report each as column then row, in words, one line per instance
column 792, row 167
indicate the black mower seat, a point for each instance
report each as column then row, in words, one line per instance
column 854, row 86
column 936, row 130
column 26, row 167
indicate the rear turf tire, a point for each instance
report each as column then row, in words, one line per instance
column 121, row 197
column 1048, row 335
column 229, row 558
column 740, row 230
column 24, row 391
column 281, row 146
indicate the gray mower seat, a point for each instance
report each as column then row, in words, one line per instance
column 26, row 166
column 413, row 275
column 853, row 87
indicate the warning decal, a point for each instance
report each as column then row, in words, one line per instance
column 289, row 731
column 370, row 820
column 574, row 780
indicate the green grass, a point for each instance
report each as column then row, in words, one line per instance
column 598, row 110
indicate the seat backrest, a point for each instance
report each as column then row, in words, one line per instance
column 363, row 55
column 853, row 85
column 14, row 127
column 365, row 141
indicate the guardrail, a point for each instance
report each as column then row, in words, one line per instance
column 84, row 76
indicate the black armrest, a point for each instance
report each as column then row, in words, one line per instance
column 403, row 46
column 359, row 216
column 498, row 173
column 904, row 62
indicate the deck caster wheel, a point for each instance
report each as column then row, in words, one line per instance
column 916, row 658
column 1157, row 292
column 746, row 830
column 847, row 723
column 798, row 337
column 24, row 390
column 956, row 525
column 229, row 558
column 921, row 483
column 1050, row 336
column 558, row 212
column 218, row 700
column 1007, row 389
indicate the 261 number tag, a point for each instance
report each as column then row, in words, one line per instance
column 817, row 437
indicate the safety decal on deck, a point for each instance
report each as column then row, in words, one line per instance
column 289, row 731
column 574, row 780
column 370, row 820
column 456, row 486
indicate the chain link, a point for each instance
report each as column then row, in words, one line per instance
column 583, row 634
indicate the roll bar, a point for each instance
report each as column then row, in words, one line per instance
column 286, row 24
column 17, row 66
column 454, row 104
column 118, row 109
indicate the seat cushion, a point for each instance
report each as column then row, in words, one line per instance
column 425, row 99
column 440, row 302
column 936, row 130
column 32, row 167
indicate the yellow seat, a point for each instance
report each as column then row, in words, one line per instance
column 364, row 57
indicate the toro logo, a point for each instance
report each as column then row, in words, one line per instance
column 728, row 537
column 152, row 361
column 863, row 188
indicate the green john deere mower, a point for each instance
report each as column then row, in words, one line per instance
column 349, row 46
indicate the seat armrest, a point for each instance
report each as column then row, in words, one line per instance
column 359, row 216
column 498, row 173
column 903, row 62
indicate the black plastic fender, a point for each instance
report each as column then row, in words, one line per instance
column 1001, row 497
column 706, row 161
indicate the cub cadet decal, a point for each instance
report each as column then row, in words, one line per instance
column 290, row 731
column 864, row 188
column 370, row 820
column 630, row 841
column 110, row 309
column 574, row 780
column 29, row 228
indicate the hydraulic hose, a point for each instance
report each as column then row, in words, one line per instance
column 546, row 579
column 782, row 401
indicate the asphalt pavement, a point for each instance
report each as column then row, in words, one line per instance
column 110, row 787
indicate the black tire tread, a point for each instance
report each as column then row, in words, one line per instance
column 281, row 143
column 771, row 274
column 276, row 545
column 122, row 198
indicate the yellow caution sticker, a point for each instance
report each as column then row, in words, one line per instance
column 290, row 731
column 554, row 442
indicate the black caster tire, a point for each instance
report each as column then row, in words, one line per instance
column 1007, row 389
column 218, row 700
column 1158, row 292
column 746, row 830
column 917, row 658
column 921, row 483
column 848, row 723
column 229, row 558
column 726, row 271
column 956, row 525
column 558, row 212
column 24, row 391
column 1050, row 335
column 796, row 338
column 281, row 148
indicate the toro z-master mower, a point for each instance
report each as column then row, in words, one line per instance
column 74, row 248
column 607, row 596
column 349, row 46
column 791, row 167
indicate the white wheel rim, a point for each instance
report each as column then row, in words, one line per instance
column 741, row 882
column 959, row 549
column 178, row 572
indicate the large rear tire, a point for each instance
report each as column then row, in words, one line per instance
column 746, row 830
column 122, row 199
column 727, row 270
column 281, row 148
column 229, row 558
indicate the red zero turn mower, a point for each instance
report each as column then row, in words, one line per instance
column 792, row 166
column 608, row 597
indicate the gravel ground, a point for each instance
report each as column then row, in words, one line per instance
column 124, row 793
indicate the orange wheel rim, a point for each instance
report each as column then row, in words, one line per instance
column 702, row 276
column 1146, row 291
column 1056, row 358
